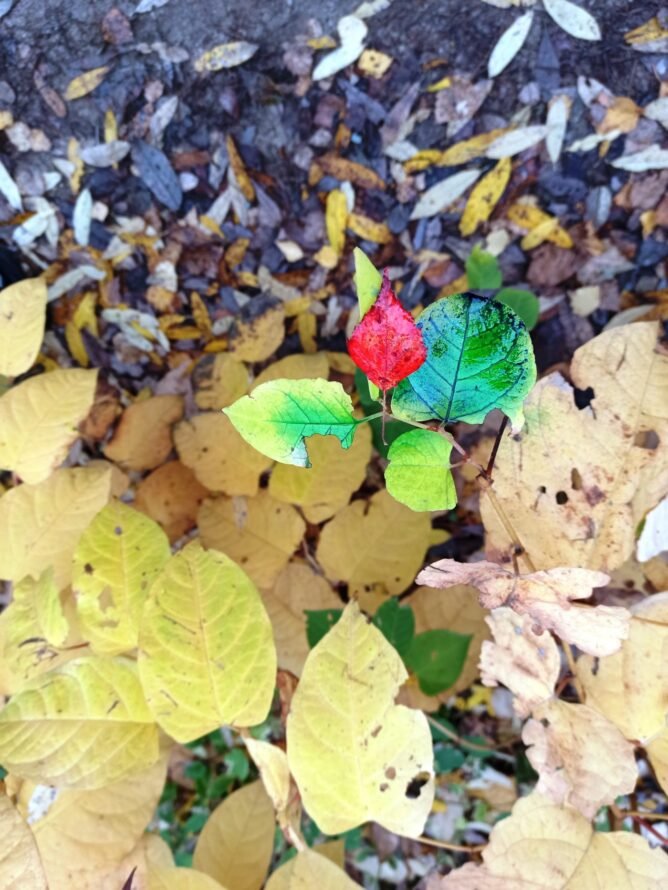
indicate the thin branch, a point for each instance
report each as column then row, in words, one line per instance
column 448, row 733
column 495, row 449
column 456, row 848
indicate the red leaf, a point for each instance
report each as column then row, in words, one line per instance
column 386, row 344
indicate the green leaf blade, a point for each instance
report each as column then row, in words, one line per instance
column 437, row 657
column 523, row 302
column 397, row 624
column 479, row 357
column 418, row 474
column 482, row 270
column 279, row 415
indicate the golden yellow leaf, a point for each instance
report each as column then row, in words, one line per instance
column 84, row 725
column 375, row 542
column 459, row 153
column 581, row 757
column 578, row 482
column 259, row 338
column 115, row 562
column 629, row 687
column 297, row 588
column 220, row 459
column 42, row 523
column 526, row 662
column 85, row 83
column 171, row 495
column 39, row 420
column 295, row 367
column 336, row 217
column 206, row 654
column 308, row 870
column 374, row 63
column 225, row 55
column 20, row 865
column 369, row 229
column 174, row 878
column 236, row 844
column 650, row 31
column 220, row 380
column 307, row 327
column 143, row 438
column 86, row 831
column 22, row 317
column 351, row 749
column 545, row 596
column 541, row 226
column 343, row 169
column 622, row 115
column 341, row 362
column 441, row 84
column 240, row 174
column 260, row 533
column 556, row 848
column 485, row 196
column 326, row 257
column 327, row 485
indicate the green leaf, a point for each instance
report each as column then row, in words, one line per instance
column 482, row 270
column 522, row 302
column 367, row 281
column 479, row 357
column 396, row 623
column 319, row 622
column 418, row 474
column 437, row 657
column 278, row 415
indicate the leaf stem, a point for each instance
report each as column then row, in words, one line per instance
column 456, row 848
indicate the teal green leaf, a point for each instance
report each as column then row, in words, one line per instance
column 319, row 622
column 418, row 474
column 396, row 623
column 437, row 657
column 367, row 281
column 482, row 270
column 279, row 415
column 479, row 357
column 522, row 302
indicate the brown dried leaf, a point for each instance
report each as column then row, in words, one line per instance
column 172, row 496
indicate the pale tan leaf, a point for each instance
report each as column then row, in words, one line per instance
column 525, row 662
column 545, row 847
column 85, row 83
column 237, row 841
column 558, row 112
column 20, row 865
column 578, row 482
column 22, row 317
column 42, row 523
column 352, row 32
column 143, row 438
column 652, row 158
column 440, row 196
column 172, row 878
column 545, row 596
column 581, row 757
column 352, row 750
column 309, row 870
column 573, row 19
column 509, row 44
column 515, row 141
column 225, row 55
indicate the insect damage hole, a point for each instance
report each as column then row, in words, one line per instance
column 415, row 786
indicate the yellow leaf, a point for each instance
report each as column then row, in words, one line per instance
column 20, row 865
column 180, row 879
column 297, row 588
column 651, row 30
column 115, row 562
column 369, row 229
column 352, row 750
column 256, row 340
column 328, row 484
column 578, row 482
column 220, row 459
column 200, row 314
column 374, row 63
column 86, row 831
column 336, row 217
column 307, row 870
column 307, row 327
column 272, row 762
column 240, row 174
column 42, row 523
column 374, row 542
column 110, row 126
column 206, row 655
column 541, row 225
column 441, row 84
column 74, row 158
column 326, row 257
column 85, row 83
column 485, row 196
column 171, row 495
column 342, row 169
column 143, row 438
column 459, row 153
column 220, row 380
column 341, row 362
column 236, row 844
column 225, row 55
column 295, row 367
column 39, row 420
column 22, row 317
column 75, row 344
column 84, row 725
column 556, row 848
column 623, row 115
column 260, row 533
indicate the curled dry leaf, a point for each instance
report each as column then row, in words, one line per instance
column 525, row 662
column 581, row 757
column 579, row 481
column 545, row 596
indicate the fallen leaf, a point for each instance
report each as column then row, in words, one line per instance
column 219, row 380
column 352, row 32
column 573, row 19
column 85, row 83
column 374, row 63
column 260, row 534
column 368, row 229
column 336, row 218
column 515, row 141
column 157, row 174
column 652, row 158
column 456, row 105
column 344, row 697
column 509, row 44
column 143, row 438
column 171, row 495
column 22, row 319
column 345, row 170
column 310, row 869
column 175, row 878
column 485, row 196
column 225, row 55
column 440, row 196
column 241, row 176
column 558, row 113
column 259, row 337
column 295, row 367
column 20, row 863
